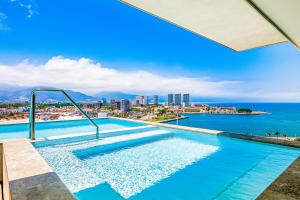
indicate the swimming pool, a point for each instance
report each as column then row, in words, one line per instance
column 57, row 128
column 151, row 162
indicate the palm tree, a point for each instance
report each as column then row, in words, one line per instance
column 269, row 134
column 277, row 133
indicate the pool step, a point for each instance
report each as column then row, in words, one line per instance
column 61, row 155
column 119, row 145
column 93, row 133
column 86, row 137
column 240, row 188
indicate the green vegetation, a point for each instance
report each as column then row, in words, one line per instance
column 276, row 134
column 162, row 111
column 135, row 109
column 244, row 110
column 269, row 134
column 166, row 117
column 107, row 107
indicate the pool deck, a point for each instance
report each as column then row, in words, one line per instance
column 27, row 174
column 186, row 128
column 286, row 186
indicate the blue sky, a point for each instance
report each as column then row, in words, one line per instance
column 36, row 35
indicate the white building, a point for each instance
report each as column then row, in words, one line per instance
column 141, row 100
column 102, row 115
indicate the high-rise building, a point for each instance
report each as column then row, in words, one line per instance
column 186, row 100
column 104, row 101
column 155, row 99
column 115, row 104
column 177, row 99
column 170, row 99
column 145, row 100
column 125, row 105
column 138, row 100
column 112, row 101
column 98, row 104
column 141, row 100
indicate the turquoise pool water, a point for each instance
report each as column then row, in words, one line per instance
column 155, row 163
column 46, row 129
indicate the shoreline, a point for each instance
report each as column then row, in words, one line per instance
column 252, row 113
column 26, row 121
column 174, row 119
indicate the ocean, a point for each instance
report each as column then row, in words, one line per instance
column 282, row 117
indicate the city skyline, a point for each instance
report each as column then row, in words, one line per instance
column 156, row 58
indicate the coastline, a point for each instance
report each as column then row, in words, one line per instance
column 174, row 119
column 252, row 113
column 26, row 121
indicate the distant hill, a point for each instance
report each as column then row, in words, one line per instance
column 9, row 94
column 115, row 95
column 23, row 95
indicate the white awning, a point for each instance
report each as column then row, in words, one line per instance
column 237, row 24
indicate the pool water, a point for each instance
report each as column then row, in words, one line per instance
column 57, row 128
column 154, row 163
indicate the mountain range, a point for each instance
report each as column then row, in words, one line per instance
column 23, row 95
column 16, row 95
column 8, row 94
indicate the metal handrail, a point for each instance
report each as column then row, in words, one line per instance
column 32, row 111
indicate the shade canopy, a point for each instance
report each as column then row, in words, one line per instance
column 237, row 24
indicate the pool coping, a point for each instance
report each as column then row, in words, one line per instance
column 28, row 175
column 286, row 186
column 186, row 128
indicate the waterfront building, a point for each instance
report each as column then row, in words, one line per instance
column 112, row 101
column 138, row 100
column 141, row 100
column 87, row 105
column 155, row 99
column 145, row 100
column 116, row 105
column 186, row 100
column 104, row 100
column 177, row 100
column 22, row 109
column 98, row 104
column 102, row 115
column 125, row 105
column 170, row 99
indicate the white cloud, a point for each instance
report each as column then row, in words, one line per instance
column 3, row 25
column 28, row 5
column 90, row 77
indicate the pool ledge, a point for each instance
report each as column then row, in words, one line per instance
column 26, row 176
column 263, row 139
column 220, row 133
column 186, row 128
column 286, row 186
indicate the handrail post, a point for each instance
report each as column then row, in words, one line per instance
column 81, row 111
column 32, row 111
column 32, row 117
